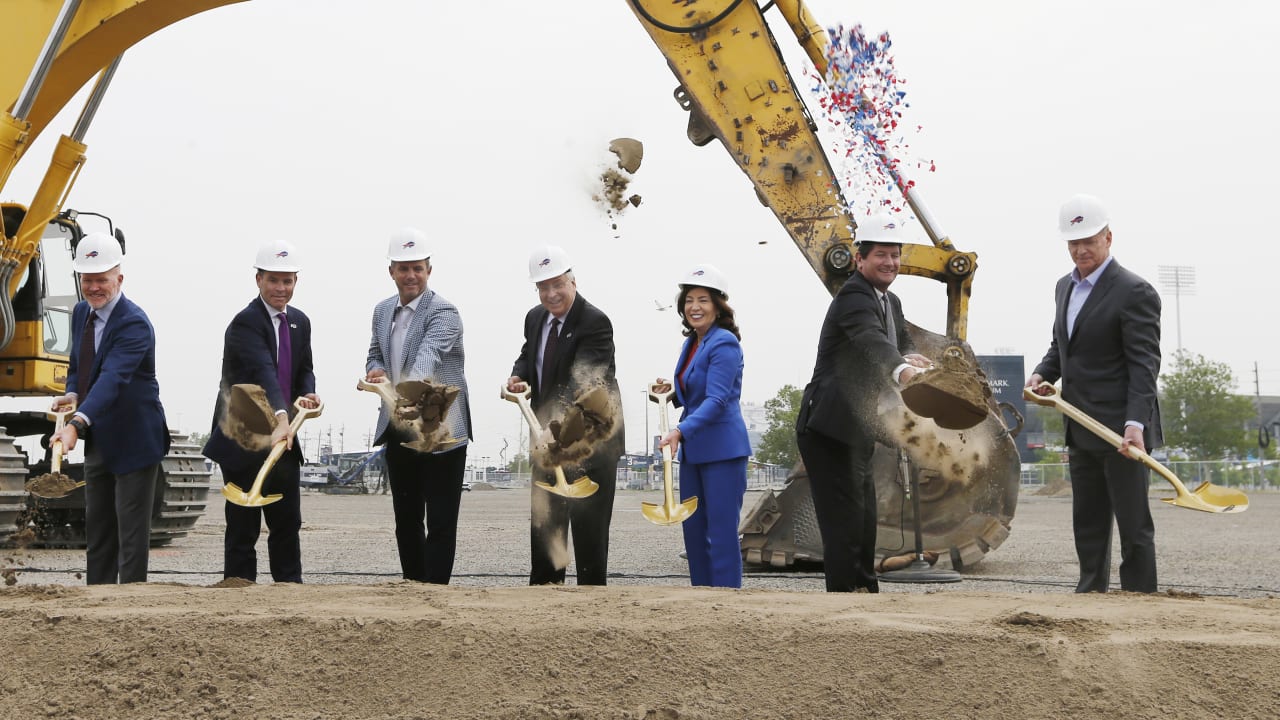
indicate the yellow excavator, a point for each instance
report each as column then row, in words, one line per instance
column 733, row 82
column 51, row 50
column 736, row 87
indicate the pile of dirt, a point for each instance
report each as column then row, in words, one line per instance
column 591, row 419
column 421, row 410
column 308, row 651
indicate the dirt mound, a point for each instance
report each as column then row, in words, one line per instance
column 353, row 651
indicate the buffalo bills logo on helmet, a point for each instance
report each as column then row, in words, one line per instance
column 283, row 253
column 545, row 262
column 890, row 226
column 408, row 245
column 91, row 254
column 1077, row 220
column 699, row 273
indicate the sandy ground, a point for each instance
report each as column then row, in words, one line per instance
column 1009, row 641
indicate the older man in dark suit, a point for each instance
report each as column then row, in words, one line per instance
column 568, row 347
column 268, row 344
column 112, row 379
column 417, row 335
column 862, row 348
column 1106, row 350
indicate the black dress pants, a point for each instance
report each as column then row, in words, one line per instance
column 551, row 517
column 1104, row 483
column 844, row 498
column 426, row 486
column 284, row 521
column 117, row 521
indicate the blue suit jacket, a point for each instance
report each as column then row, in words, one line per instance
column 249, row 357
column 711, row 424
column 128, row 428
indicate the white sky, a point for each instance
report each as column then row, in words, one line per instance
column 486, row 123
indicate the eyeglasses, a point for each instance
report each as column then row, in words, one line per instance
column 547, row 287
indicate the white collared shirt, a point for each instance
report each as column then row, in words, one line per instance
column 401, row 318
column 1080, row 292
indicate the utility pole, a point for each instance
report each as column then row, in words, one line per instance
column 1182, row 280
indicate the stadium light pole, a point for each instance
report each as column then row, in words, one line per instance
column 1182, row 280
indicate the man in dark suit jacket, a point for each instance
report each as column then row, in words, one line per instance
column 252, row 353
column 580, row 355
column 112, row 379
column 862, row 348
column 1106, row 350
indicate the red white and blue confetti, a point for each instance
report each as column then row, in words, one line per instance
column 863, row 99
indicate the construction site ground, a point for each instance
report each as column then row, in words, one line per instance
column 1011, row 640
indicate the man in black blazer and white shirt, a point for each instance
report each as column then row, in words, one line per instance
column 581, row 355
column 257, row 342
column 1106, row 350
column 863, row 347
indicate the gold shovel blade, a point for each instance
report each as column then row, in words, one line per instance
column 52, row 486
column 664, row 515
column 233, row 493
column 580, row 488
column 1212, row 498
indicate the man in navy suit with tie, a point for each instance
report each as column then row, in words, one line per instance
column 1106, row 350
column 112, row 383
column 417, row 335
column 568, row 347
column 267, row 344
column 863, row 347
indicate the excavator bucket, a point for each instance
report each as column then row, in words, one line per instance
column 968, row 489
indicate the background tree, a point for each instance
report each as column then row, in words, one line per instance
column 519, row 464
column 778, row 444
column 1199, row 412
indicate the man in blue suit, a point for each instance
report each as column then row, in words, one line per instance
column 112, row 384
column 417, row 335
column 863, row 347
column 267, row 344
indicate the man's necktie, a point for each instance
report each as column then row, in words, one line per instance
column 549, row 352
column 284, row 361
column 889, row 325
column 84, row 367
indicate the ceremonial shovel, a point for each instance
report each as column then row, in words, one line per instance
column 1207, row 498
column 255, row 498
column 580, row 488
column 55, row 484
column 669, row 513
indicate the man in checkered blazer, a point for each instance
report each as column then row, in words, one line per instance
column 417, row 335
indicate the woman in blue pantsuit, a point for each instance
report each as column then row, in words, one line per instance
column 711, row 438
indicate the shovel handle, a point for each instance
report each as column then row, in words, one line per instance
column 277, row 450
column 1054, row 399
column 522, row 399
column 59, row 418
column 382, row 389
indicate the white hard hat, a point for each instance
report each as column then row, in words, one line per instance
column 97, row 252
column 707, row 276
column 882, row 227
column 407, row 245
column 547, row 262
column 277, row 256
column 1081, row 217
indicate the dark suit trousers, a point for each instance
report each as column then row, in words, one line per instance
column 426, row 485
column 117, row 521
column 844, row 499
column 552, row 515
column 284, row 520
column 1104, row 483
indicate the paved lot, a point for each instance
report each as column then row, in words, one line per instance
column 349, row 539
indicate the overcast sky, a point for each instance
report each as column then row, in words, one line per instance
column 487, row 123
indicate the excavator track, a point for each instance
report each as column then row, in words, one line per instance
column 181, row 498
